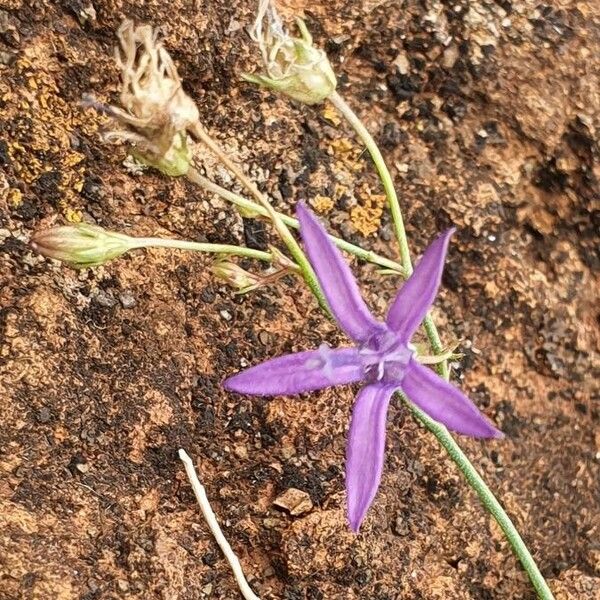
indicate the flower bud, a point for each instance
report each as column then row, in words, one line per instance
column 81, row 245
column 156, row 113
column 294, row 66
column 235, row 276
column 282, row 261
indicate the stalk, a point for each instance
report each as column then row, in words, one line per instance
column 282, row 229
column 394, row 205
column 152, row 242
column 367, row 255
column 487, row 498
column 442, row 434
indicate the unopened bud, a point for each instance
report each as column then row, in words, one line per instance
column 282, row 261
column 81, row 245
column 294, row 66
column 235, row 276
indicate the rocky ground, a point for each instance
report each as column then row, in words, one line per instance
column 489, row 115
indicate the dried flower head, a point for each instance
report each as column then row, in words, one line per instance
column 156, row 112
column 81, row 245
column 294, row 66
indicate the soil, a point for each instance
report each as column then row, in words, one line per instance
column 489, row 115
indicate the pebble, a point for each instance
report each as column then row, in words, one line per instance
column 226, row 315
column 400, row 526
column 127, row 299
column 43, row 415
column 294, row 501
column 105, row 299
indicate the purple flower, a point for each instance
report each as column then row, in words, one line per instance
column 382, row 358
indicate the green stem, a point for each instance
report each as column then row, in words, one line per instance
column 384, row 174
column 487, row 499
column 394, row 205
column 367, row 255
column 282, row 229
column 200, row 247
column 441, row 433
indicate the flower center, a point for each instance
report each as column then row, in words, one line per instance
column 384, row 358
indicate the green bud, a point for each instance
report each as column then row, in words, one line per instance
column 175, row 162
column 81, row 245
column 294, row 66
column 235, row 276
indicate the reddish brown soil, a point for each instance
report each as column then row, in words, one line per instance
column 496, row 132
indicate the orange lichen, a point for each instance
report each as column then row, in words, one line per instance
column 14, row 197
column 43, row 128
column 366, row 216
column 331, row 114
column 346, row 153
column 322, row 204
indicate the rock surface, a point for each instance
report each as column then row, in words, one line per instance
column 489, row 115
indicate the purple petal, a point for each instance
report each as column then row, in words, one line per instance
column 419, row 291
column 336, row 279
column 297, row 373
column 365, row 450
column 445, row 403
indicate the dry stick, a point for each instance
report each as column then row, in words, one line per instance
column 211, row 520
column 368, row 255
column 286, row 235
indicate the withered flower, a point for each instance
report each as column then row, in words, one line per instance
column 155, row 111
column 232, row 274
column 293, row 65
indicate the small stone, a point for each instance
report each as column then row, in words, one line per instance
column 264, row 338
column 207, row 589
column 7, row 58
column 294, row 501
column 400, row 526
column 43, row 415
column 122, row 585
column 270, row 523
column 105, row 299
column 226, row 315
column 240, row 451
column 82, row 467
column 288, row 452
column 402, row 63
column 127, row 299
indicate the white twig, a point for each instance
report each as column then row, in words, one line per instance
column 211, row 519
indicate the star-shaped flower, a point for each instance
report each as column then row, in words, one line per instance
column 382, row 358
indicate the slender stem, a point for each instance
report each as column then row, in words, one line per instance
column 436, row 345
column 152, row 242
column 394, row 205
column 441, row 433
column 286, row 235
column 195, row 177
column 487, row 499
column 213, row 524
column 384, row 174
